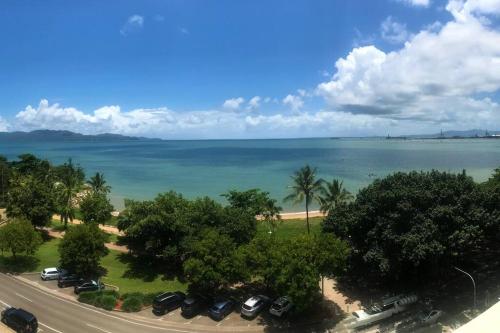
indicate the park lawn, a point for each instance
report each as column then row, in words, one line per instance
column 293, row 227
column 119, row 274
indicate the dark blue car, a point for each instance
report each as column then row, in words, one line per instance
column 220, row 309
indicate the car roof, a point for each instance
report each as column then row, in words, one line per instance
column 220, row 303
column 164, row 296
column 282, row 300
column 49, row 269
column 25, row 314
column 253, row 300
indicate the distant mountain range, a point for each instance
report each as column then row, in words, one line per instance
column 50, row 135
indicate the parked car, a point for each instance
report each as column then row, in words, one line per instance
column 89, row 286
column 430, row 317
column 220, row 309
column 254, row 305
column 167, row 302
column 193, row 305
column 52, row 273
column 281, row 307
column 69, row 280
column 20, row 320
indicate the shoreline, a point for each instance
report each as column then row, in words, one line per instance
column 284, row 216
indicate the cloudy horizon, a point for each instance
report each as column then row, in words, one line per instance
column 399, row 80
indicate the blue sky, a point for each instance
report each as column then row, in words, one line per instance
column 194, row 66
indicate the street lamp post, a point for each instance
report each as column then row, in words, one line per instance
column 473, row 283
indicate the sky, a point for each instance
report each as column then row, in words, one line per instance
column 231, row 69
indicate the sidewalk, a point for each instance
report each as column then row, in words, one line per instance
column 111, row 246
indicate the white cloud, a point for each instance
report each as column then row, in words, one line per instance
column 393, row 31
column 212, row 124
column 294, row 102
column 437, row 77
column 254, row 103
column 134, row 22
column 184, row 31
column 4, row 125
column 233, row 103
column 417, row 3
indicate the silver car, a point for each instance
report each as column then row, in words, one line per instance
column 52, row 273
column 254, row 305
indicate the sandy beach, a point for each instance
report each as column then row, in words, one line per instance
column 301, row 215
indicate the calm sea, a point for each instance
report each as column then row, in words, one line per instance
column 141, row 169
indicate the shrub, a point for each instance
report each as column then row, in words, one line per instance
column 107, row 302
column 132, row 304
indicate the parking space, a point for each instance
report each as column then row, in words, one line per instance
column 52, row 284
column 232, row 320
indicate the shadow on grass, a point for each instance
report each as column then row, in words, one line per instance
column 148, row 269
column 18, row 265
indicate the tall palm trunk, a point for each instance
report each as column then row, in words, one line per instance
column 307, row 215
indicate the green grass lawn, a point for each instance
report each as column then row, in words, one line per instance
column 121, row 271
column 294, row 227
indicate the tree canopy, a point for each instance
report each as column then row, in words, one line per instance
column 82, row 248
column 18, row 236
column 412, row 226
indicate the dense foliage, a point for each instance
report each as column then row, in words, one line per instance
column 96, row 208
column 18, row 236
column 82, row 248
column 413, row 226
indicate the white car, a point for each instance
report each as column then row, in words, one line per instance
column 52, row 273
column 254, row 305
column 430, row 317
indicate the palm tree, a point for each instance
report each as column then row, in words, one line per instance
column 334, row 194
column 271, row 215
column 68, row 187
column 98, row 183
column 305, row 186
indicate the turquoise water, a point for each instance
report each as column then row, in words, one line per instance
column 141, row 169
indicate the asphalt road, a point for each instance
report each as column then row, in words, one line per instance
column 60, row 315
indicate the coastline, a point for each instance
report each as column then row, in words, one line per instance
column 284, row 216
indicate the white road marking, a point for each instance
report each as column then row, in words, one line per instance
column 50, row 328
column 98, row 328
column 139, row 321
column 171, row 314
column 218, row 324
column 227, row 318
column 7, row 305
column 199, row 317
column 188, row 322
column 26, row 298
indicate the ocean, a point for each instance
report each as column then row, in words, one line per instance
column 141, row 169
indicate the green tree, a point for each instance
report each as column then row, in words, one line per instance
column 18, row 236
column 5, row 174
column 31, row 198
column 82, row 249
column 96, row 208
column 331, row 256
column 413, row 226
column 70, row 181
column 213, row 262
column 333, row 195
column 99, row 184
column 254, row 200
column 305, row 187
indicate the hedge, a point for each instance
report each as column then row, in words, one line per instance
column 105, row 299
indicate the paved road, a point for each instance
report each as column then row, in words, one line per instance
column 59, row 315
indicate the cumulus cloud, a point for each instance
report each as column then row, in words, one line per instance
column 233, row 103
column 437, row 76
column 4, row 125
column 294, row 102
column 393, row 31
column 134, row 23
column 211, row 124
column 417, row 3
column 254, row 103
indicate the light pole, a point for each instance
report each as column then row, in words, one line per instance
column 473, row 283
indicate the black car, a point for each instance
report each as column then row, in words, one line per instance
column 193, row 305
column 167, row 302
column 69, row 280
column 220, row 309
column 89, row 286
column 20, row 320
